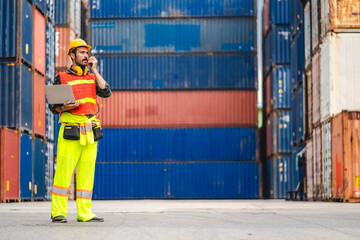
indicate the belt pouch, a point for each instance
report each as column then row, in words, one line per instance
column 71, row 131
column 98, row 134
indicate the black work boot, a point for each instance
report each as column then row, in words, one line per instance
column 59, row 219
column 94, row 219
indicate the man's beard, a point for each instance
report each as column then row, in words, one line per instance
column 82, row 63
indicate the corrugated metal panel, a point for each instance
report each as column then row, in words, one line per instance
column 317, row 163
column 294, row 168
column 266, row 17
column 300, row 54
column 38, row 168
column 294, row 119
column 268, row 137
column 339, row 74
column 179, row 109
column 337, row 155
column 314, row 24
column 299, row 12
column 280, row 132
column 173, row 8
column 308, row 104
column 307, row 34
column 41, row 4
column 61, row 12
column 300, row 114
column 39, row 121
column 50, row 10
column 177, row 144
column 39, row 60
column 326, row 160
column 279, row 12
column 315, row 69
column 50, row 51
column 278, row 176
column 26, row 97
column 25, row 166
column 26, row 31
column 298, row 169
column 277, row 44
column 324, row 17
column 294, row 65
column 177, row 72
column 75, row 16
column 9, row 164
column 309, row 170
column 8, row 28
column 280, row 88
column 63, row 37
column 176, row 180
column 173, row 35
column 268, row 94
column 49, row 169
column 343, row 14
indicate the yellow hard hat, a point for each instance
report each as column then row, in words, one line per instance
column 78, row 43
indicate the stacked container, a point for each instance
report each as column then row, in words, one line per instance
column 25, row 63
column 277, row 19
column 182, row 118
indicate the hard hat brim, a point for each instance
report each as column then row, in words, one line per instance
column 87, row 46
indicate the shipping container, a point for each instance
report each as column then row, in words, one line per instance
column 307, row 34
column 39, row 120
column 315, row 82
column 339, row 74
column 326, row 160
column 50, row 10
column 309, row 170
column 9, row 165
column 176, row 180
column 300, row 54
column 178, row 72
column 268, row 94
column 39, row 39
column 315, row 36
column 266, row 17
column 300, row 114
column 280, row 132
column 294, row 64
column 179, row 109
column 324, row 18
column 277, row 47
column 41, row 4
column 38, row 168
column 63, row 37
column 25, row 166
column 49, row 169
column 299, row 13
column 16, row 31
column 177, row 144
column 68, row 14
column 173, row 36
column 49, row 121
column 308, row 104
column 280, row 88
column 16, row 97
column 297, row 169
column 317, row 163
column 294, row 119
column 278, row 176
column 50, row 51
column 345, row 156
column 277, row 13
column 165, row 9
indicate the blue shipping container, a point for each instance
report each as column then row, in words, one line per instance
column 280, row 126
column 179, row 72
column 173, row 35
column 280, row 84
column 298, row 168
column 294, row 64
column 16, row 96
column 41, row 4
column 9, row 30
column 278, row 176
column 25, row 166
column 294, row 119
column 280, row 12
column 178, row 144
column 277, row 47
column 171, row 8
column 300, row 55
column 300, row 114
column 61, row 12
column 176, row 180
column 38, row 168
column 50, row 10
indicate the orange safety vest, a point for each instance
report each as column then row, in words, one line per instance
column 84, row 89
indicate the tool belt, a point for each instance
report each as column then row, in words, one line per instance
column 72, row 131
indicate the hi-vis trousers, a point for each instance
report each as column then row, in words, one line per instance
column 71, row 154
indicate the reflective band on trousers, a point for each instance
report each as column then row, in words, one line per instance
column 83, row 194
column 60, row 191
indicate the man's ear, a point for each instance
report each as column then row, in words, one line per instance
column 72, row 55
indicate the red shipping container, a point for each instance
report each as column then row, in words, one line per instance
column 39, row 60
column 9, row 164
column 179, row 109
column 39, row 104
column 63, row 37
column 266, row 15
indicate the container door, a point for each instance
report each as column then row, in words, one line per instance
column 25, row 166
column 38, row 168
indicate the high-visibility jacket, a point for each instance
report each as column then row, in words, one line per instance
column 84, row 89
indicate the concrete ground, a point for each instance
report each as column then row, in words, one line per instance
column 187, row 219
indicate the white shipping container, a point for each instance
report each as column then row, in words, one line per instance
column 317, row 163
column 309, row 170
column 326, row 160
column 315, row 82
column 75, row 16
column 307, row 35
column 339, row 74
column 324, row 18
column 314, row 24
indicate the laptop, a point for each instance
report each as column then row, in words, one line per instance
column 59, row 94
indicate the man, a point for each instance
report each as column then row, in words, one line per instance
column 78, row 135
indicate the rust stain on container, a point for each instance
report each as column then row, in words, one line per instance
column 38, row 104
column 179, row 108
column 39, row 42
column 63, row 37
column 344, row 14
column 9, row 164
column 345, row 152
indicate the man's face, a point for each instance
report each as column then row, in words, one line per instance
column 81, row 56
